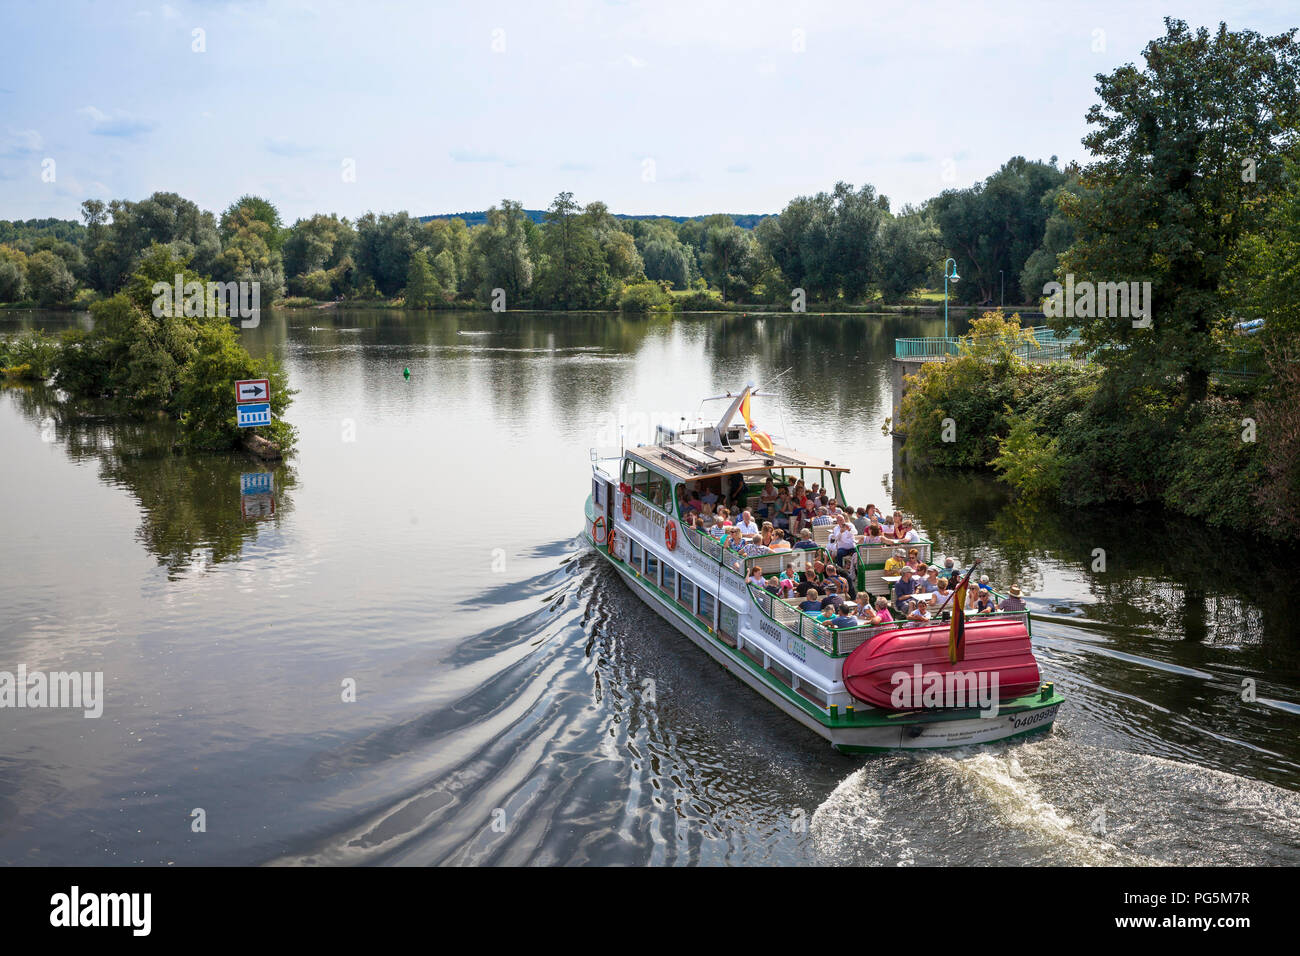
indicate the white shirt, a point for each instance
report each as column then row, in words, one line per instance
column 747, row 527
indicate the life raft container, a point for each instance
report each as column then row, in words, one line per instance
column 878, row 667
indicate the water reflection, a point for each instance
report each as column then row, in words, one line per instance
column 190, row 503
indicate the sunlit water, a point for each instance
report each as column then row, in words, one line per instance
column 515, row 703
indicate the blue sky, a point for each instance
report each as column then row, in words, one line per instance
column 668, row 107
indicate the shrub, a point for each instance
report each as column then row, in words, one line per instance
column 643, row 297
column 1029, row 462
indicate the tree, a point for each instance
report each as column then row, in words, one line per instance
column 1170, row 194
column 911, row 251
column 13, row 274
column 725, row 261
column 501, row 256
column 51, row 282
column 575, row 273
column 117, row 235
column 995, row 226
column 421, row 287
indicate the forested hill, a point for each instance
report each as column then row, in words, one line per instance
column 746, row 221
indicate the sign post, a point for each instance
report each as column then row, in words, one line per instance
column 253, row 390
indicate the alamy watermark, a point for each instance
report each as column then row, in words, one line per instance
column 212, row 300
column 1086, row 300
column 55, row 689
column 915, row 689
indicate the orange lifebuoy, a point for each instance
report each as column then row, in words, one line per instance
column 598, row 529
column 609, row 541
column 627, row 507
column 670, row 535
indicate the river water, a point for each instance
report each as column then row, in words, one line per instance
column 514, row 702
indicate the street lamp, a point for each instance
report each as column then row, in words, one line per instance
column 946, row 276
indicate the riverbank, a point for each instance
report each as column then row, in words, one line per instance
column 1071, row 435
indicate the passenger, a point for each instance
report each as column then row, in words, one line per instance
column 943, row 594
column 895, row 563
column 860, row 521
column 920, row 613
column 845, row 546
column 773, row 587
column 823, row 517
column 908, row 533
column 710, row 497
column 826, row 616
column 694, row 504
column 904, row 588
column 873, row 535
column 767, row 535
column 875, row 514
column 846, row 616
column 799, row 507
column 768, row 499
column 746, row 524
column 756, row 578
column 984, row 601
column 882, row 611
column 787, row 582
column 783, row 509
column 1012, row 601
column 806, row 541
column 949, row 568
column 690, row 520
column 812, row 603
column 887, row 527
column 931, row 582
column 779, row 543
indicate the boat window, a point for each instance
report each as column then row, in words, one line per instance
column 648, row 484
column 670, row 580
column 634, row 555
column 688, row 594
column 707, row 602
column 651, row 567
column 728, row 621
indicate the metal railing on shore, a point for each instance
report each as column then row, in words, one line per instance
column 1040, row 344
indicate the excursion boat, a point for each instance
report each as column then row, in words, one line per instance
column 865, row 688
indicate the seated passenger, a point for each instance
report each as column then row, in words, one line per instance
column 773, row 587
column 908, row 533
column 1012, row 601
column 767, row 535
column 779, row 543
column 920, row 613
column 806, row 541
column 845, row 546
column 846, row 616
column 756, row 577
column 949, row 569
column 782, row 510
column 812, row 603
column 827, row 615
column 746, row 524
column 882, row 611
column 887, row 527
column 904, row 588
column 873, row 535
column 768, row 498
column 895, row 563
column 823, row 517
column 860, row 521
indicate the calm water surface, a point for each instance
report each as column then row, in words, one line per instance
column 425, row 544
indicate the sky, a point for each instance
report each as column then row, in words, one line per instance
column 670, row 108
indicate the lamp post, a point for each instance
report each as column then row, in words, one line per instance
column 946, row 276
column 1003, row 279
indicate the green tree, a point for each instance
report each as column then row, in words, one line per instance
column 1165, row 199
column 421, row 287
column 50, row 280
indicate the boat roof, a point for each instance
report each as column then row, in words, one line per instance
column 687, row 461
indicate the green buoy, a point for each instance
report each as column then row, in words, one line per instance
column 406, row 374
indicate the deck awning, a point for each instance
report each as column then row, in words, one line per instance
column 688, row 462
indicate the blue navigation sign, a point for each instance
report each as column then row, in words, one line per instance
column 250, row 416
column 256, row 483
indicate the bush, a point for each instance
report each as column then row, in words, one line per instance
column 643, row 297
column 29, row 356
column 700, row 300
column 1029, row 462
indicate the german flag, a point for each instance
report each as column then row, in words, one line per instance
column 957, row 629
column 758, row 441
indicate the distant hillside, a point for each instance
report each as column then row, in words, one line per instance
column 745, row 221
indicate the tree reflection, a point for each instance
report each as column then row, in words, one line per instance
column 190, row 503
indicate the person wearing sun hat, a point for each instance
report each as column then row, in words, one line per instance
column 1012, row 602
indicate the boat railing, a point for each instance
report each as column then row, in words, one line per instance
column 793, row 620
column 797, row 558
column 873, row 555
column 842, row 641
column 710, row 546
column 773, row 563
